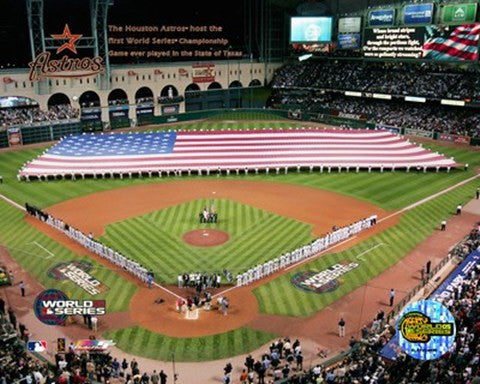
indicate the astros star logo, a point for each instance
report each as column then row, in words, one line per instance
column 66, row 35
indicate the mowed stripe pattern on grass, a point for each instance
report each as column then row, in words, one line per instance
column 385, row 249
column 141, row 342
column 155, row 239
column 23, row 242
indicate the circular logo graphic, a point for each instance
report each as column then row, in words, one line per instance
column 426, row 330
column 45, row 304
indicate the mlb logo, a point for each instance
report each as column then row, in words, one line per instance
column 37, row 346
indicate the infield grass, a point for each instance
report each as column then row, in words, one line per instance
column 141, row 342
column 155, row 239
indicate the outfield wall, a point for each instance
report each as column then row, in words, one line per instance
column 49, row 132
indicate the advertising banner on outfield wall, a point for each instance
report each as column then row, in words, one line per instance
column 381, row 17
column 351, row 41
column 453, row 138
column 418, row 14
column 14, row 136
column 459, row 13
column 419, row 133
column 445, row 137
column 462, row 139
column 170, row 109
column 349, row 24
column 388, row 128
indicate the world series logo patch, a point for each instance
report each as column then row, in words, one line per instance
column 426, row 330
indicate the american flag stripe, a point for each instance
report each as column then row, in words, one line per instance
column 462, row 43
column 139, row 152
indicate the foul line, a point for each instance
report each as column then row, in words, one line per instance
column 428, row 198
column 45, row 249
column 12, row 202
column 359, row 256
column 167, row 290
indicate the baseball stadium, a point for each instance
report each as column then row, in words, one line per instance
column 271, row 191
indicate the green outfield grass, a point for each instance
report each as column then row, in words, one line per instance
column 155, row 239
column 142, row 342
column 37, row 253
column 280, row 297
column 388, row 190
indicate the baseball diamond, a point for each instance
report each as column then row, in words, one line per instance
column 261, row 192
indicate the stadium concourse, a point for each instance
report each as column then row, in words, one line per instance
column 318, row 338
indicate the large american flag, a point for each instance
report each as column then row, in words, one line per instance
column 252, row 149
column 452, row 43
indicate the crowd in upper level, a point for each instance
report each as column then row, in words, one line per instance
column 425, row 80
column 428, row 116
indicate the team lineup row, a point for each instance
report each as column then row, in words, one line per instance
column 304, row 252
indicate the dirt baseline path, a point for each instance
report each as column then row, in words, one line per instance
column 322, row 209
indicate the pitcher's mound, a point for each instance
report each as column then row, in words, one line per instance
column 205, row 237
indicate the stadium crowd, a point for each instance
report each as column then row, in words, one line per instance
column 426, row 80
column 71, row 367
column 28, row 116
column 428, row 116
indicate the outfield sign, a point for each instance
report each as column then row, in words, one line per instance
column 349, row 24
column 419, row 133
column 459, row 13
column 418, row 14
column 458, row 139
column 351, row 41
column 445, row 137
column 383, row 17
column 324, row 281
column 389, row 128
column 77, row 272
